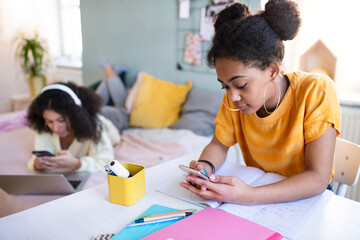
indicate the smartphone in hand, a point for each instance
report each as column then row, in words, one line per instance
column 194, row 172
column 42, row 153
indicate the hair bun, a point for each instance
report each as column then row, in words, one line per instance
column 283, row 17
column 232, row 12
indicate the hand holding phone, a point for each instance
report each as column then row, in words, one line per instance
column 42, row 153
column 194, row 172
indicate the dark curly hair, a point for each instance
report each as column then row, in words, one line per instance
column 255, row 40
column 83, row 119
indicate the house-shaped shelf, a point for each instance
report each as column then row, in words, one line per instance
column 318, row 58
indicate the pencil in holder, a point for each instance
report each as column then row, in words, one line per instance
column 127, row 191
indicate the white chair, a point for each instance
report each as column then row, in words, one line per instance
column 347, row 161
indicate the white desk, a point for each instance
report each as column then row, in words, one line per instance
column 88, row 213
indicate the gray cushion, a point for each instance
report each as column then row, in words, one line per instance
column 199, row 112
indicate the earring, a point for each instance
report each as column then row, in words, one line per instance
column 278, row 102
column 231, row 109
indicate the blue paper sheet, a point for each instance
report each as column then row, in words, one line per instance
column 134, row 233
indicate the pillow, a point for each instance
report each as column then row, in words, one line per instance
column 130, row 99
column 199, row 112
column 158, row 102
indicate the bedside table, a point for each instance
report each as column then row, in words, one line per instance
column 20, row 101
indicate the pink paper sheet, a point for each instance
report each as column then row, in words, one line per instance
column 212, row 223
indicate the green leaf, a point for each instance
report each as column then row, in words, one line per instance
column 32, row 54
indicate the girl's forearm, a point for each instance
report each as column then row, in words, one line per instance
column 215, row 152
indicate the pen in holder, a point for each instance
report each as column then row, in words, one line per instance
column 127, row 191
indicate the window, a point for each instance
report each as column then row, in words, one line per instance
column 335, row 23
column 70, row 29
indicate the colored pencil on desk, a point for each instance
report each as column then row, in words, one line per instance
column 154, row 221
column 169, row 215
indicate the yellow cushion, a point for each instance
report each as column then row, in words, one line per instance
column 158, row 102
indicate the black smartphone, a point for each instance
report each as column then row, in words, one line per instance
column 42, row 153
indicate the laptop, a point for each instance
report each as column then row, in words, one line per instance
column 44, row 184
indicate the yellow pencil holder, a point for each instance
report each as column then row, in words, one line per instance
column 127, row 191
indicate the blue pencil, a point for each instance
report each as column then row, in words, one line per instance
column 154, row 221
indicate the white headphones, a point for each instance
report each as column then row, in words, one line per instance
column 64, row 89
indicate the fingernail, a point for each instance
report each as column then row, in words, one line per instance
column 212, row 177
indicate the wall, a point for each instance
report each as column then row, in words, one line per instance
column 22, row 16
column 141, row 34
column 336, row 26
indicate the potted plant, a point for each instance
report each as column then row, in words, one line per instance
column 33, row 55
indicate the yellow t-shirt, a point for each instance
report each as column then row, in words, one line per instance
column 276, row 143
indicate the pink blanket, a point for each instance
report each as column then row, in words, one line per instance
column 17, row 120
column 136, row 150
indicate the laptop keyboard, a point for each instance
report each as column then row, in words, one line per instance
column 74, row 183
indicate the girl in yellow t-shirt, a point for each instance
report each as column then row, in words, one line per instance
column 284, row 123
